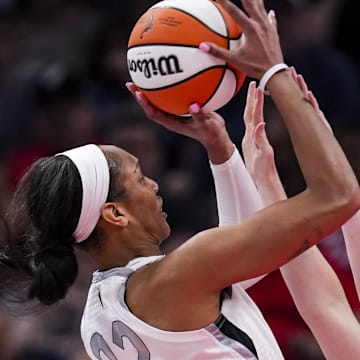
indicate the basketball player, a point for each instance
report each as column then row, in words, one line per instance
column 314, row 285
column 142, row 304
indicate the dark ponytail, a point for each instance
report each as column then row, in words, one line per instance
column 42, row 218
column 54, row 271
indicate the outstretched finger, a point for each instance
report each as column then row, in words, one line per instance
column 260, row 137
column 315, row 104
column 303, row 86
column 255, row 9
column 250, row 104
column 300, row 81
column 313, row 101
column 293, row 73
column 259, row 107
column 272, row 18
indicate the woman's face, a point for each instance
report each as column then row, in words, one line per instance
column 142, row 205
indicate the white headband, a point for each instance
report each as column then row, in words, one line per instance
column 95, row 178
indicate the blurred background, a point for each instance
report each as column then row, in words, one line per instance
column 62, row 74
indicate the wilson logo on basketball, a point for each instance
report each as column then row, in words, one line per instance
column 165, row 65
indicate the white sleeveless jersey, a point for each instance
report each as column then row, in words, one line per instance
column 111, row 332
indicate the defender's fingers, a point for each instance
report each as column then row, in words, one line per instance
column 250, row 104
column 259, row 107
column 300, row 81
column 313, row 101
column 261, row 139
column 315, row 104
column 294, row 75
column 303, row 86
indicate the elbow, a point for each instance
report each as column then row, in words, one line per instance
column 338, row 205
column 351, row 198
column 347, row 201
column 339, row 190
column 356, row 199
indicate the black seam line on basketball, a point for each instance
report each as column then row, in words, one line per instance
column 171, row 44
column 188, row 78
column 164, row 44
column 177, row 44
column 226, row 26
column 236, row 78
column 197, row 19
column 217, row 87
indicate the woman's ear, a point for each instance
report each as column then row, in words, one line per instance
column 112, row 213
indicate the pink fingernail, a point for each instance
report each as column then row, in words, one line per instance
column 128, row 85
column 204, row 47
column 195, row 108
column 272, row 13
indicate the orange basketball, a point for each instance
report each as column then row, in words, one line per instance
column 165, row 61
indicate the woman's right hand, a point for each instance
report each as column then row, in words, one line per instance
column 206, row 127
column 259, row 47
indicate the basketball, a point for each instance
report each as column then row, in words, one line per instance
column 166, row 64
